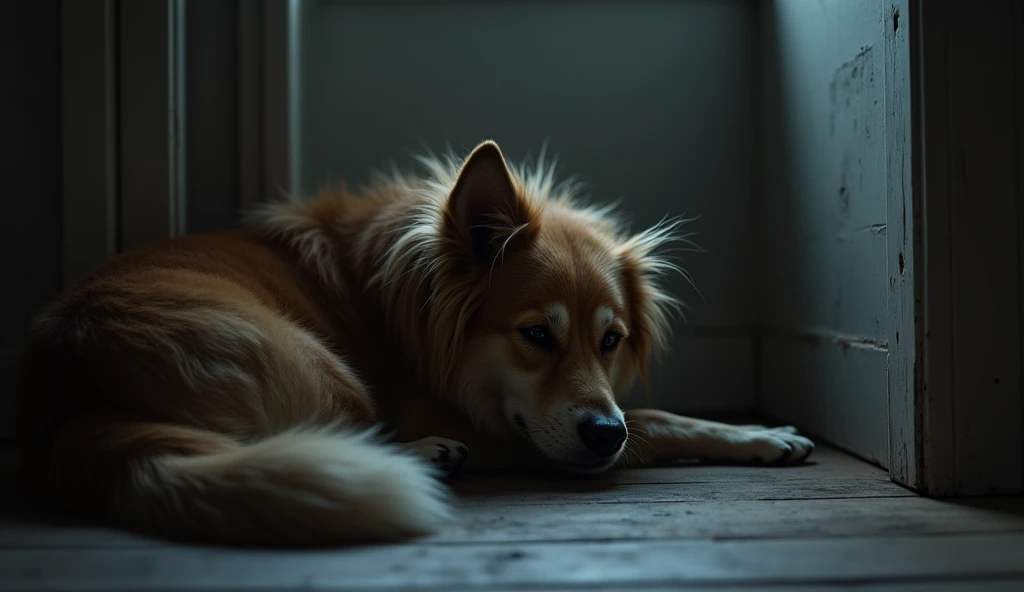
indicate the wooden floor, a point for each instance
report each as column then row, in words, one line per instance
column 834, row 523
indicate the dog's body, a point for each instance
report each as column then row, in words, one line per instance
column 226, row 387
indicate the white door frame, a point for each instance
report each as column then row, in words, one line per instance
column 955, row 147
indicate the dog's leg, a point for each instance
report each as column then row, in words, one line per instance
column 660, row 436
column 447, row 455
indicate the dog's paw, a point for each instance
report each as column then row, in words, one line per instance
column 778, row 446
column 447, row 455
column 761, row 428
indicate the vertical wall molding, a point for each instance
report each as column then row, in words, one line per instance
column 123, row 127
column 89, row 74
column 126, row 127
column 151, row 105
column 901, row 264
column 268, row 91
column 1018, row 91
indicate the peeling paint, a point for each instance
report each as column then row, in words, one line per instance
column 850, row 122
column 848, row 81
column 879, row 229
column 844, row 191
column 847, row 236
column 818, row 338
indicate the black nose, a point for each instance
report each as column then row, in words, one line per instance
column 602, row 435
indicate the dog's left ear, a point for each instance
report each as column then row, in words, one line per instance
column 484, row 209
column 651, row 307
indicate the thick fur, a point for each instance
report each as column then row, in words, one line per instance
column 233, row 387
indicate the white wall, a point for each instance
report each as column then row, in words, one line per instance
column 822, row 216
column 651, row 102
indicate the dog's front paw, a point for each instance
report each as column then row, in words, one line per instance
column 447, row 455
column 778, row 446
column 761, row 428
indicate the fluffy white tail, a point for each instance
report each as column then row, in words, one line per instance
column 302, row 487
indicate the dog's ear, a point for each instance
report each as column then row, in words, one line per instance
column 484, row 210
column 652, row 309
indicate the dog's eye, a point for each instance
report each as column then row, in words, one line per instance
column 610, row 341
column 538, row 336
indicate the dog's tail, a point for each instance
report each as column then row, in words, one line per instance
column 307, row 486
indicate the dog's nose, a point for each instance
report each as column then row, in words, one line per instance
column 602, row 435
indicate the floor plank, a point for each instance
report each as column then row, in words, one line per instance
column 733, row 520
column 832, row 474
column 559, row 492
column 826, row 462
column 689, row 562
column 967, row 585
column 638, row 521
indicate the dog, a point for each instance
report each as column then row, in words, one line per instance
column 312, row 377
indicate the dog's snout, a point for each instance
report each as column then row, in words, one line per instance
column 602, row 435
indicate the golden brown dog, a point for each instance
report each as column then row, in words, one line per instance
column 232, row 387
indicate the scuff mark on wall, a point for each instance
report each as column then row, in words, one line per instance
column 849, row 234
column 853, row 109
column 817, row 338
column 848, row 81
column 844, row 192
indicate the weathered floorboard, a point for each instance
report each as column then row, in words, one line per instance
column 451, row 567
column 639, row 521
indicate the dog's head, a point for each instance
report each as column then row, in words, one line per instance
column 549, row 309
